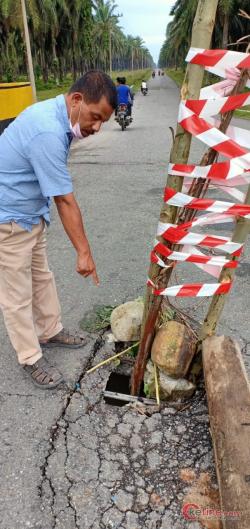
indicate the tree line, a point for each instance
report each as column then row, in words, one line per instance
column 229, row 27
column 67, row 36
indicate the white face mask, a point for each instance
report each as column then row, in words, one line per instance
column 75, row 129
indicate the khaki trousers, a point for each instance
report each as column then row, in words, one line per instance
column 28, row 295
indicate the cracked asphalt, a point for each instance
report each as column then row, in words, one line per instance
column 69, row 460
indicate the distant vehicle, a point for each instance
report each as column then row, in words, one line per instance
column 123, row 118
column 144, row 88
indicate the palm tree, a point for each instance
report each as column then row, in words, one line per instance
column 66, row 35
column 106, row 30
column 229, row 27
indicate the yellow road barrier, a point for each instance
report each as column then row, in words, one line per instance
column 14, row 97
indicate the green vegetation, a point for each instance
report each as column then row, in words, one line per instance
column 244, row 113
column 133, row 78
column 67, row 37
column 229, row 27
column 178, row 75
column 51, row 89
column 98, row 319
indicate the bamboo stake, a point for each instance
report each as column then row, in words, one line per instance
column 240, row 234
column 108, row 360
column 201, row 37
column 157, row 392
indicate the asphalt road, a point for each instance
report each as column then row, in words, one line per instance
column 118, row 179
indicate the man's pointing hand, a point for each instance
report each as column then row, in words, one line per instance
column 86, row 266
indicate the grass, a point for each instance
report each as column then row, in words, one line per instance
column 46, row 91
column 178, row 76
column 51, row 89
column 244, row 113
column 97, row 319
column 133, row 77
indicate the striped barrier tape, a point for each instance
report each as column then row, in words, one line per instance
column 236, row 170
column 192, row 290
column 174, row 198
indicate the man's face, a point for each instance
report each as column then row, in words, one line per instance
column 91, row 116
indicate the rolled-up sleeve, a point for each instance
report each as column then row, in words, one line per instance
column 48, row 157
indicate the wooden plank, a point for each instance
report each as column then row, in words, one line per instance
column 228, row 393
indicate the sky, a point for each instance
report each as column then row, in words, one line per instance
column 146, row 18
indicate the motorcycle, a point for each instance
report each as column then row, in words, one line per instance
column 122, row 117
column 144, row 91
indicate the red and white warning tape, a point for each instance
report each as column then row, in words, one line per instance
column 221, row 59
column 192, row 290
column 176, row 235
column 174, row 198
column 236, row 170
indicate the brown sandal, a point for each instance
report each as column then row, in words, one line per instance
column 44, row 375
column 65, row 339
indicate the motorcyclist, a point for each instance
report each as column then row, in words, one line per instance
column 144, row 86
column 153, row 74
column 125, row 95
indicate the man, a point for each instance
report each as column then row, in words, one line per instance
column 144, row 86
column 124, row 95
column 33, row 168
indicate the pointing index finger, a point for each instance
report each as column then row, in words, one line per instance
column 95, row 278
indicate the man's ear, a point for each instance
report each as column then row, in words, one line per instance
column 76, row 98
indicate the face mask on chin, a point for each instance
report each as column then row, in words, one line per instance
column 75, row 129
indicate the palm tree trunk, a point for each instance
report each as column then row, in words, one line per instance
column 74, row 65
column 61, row 72
column 44, row 66
column 110, row 52
column 201, row 37
column 225, row 31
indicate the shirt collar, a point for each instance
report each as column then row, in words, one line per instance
column 63, row 113
column 63, row 116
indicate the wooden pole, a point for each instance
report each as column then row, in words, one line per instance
column 110, row 52
column 28, row 49
column 228, row 393
column 240, row 234
column 201, row 37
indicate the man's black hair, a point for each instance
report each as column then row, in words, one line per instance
column 95, row 84
column 123, row 80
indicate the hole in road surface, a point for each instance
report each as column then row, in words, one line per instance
column 119, row 383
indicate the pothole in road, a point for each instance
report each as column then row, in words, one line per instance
column 118, row 385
